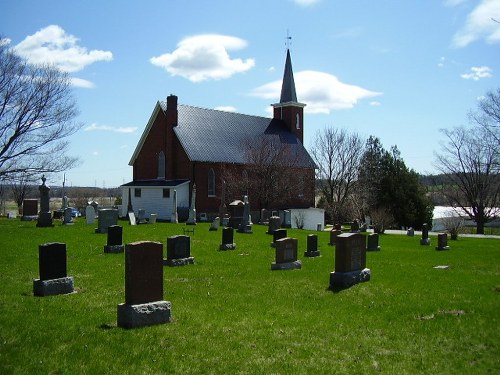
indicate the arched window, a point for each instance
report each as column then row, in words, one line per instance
column 211, row 183
column 161, row 165
column 297, row 121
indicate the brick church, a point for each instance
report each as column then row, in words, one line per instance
column 184, row 146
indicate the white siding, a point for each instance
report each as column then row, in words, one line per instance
column 311, row 217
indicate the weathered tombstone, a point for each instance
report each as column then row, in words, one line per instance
column 152, row 218
column 334, row 233
column 144, row 304
column 442, row 242
column 141, row 216
column 274, row 223
column 44, row 216
column 312, row 246
column 215, row 224
column 350, row 261
column 355, row 226
column 278, row 234
column 115, row 240
column 425, row 240
column 89, row 214
column 286, row 255
column 68, row 219
column 174, row 217
column 96, row 207
column 131, row 218
column 265, row 215
column 227, row 239
column 246, row 222
column 30, row 209
column 53, row 271
column 11, row 215
column 192, row 208
column 236, row 209
column 410, row 232
column 107, row 217
column 178, row 251
column 372, row 242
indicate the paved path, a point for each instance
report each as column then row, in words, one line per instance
column 419, row 233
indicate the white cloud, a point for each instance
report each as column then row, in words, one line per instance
column 79, row 82
column 204, row 57
column 479, row 24
column 478, row 72
column 226, row 108
column 322, row 92
column 52, row 45
column 375, row 103
column 306, row 3
column 441, row 62
column 129, row 129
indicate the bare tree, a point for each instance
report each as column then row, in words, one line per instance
column 337, row 154
column 21, row 186
column 37, row 114
column 488, row 115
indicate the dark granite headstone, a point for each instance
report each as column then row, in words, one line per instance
column 106, row 218
column 425, row 240
column 274, row 224
column 227, row 239
column 278, row 234
column 355, row 226
column 44, row 216
column 442, row 242
column 334, row 233
column 312, row 246
column 179, row 251
column 286, row 254
column 53, row 273
column 30, row 209
column 350, row 261
column 114, row 242
column 372, row 242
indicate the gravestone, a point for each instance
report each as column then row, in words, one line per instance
column 44, row 216
column 442, row 242
column 236, row 209
column 278, row 234
column 274, row 223
column 106, row 218
column 141, row 216
column 372, row 242
column 265, row 215
column 286, row 255
column 350, row 261
column 131, row 218
column 246, row 222
column 68, row 219
column 53, row 271
column 11, row 215
column 334, row 233
column 192, row 208
column 355, row 226
column 425, row 240
column 30, row 209
column 410, row 232
column 227, row 239
column 114, row 242
column 144, row 304
column 89, row 214
column 152, row 218
column 215, row 224
column 178, row 251
column 312, row 246
column 174, row 217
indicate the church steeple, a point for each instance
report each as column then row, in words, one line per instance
column 289, row 109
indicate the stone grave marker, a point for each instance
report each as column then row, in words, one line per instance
column 178, row 251
column 152, row 218
column 274, row 224
column 312, row 246
column 144, row 304
column 89, row 214
column 425, row 240
column 286, row 255
column 350, row 261
column 192, row 208
column 114, row 242
column 30, row 209
column 52, row 268
column 215, row 224
column 355, row 226
column 410, row 232
column 246, row 222
column 372, row 242
column 141, row 216
column 107, row 217
column 442, row 242
column 68, row 219
column 334, row 233
column 227, row 239
column 278, row 234
column 44, row 216
column 11, row 215
column 131, row 218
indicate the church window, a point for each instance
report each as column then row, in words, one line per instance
column 161, row 165
column 166, row 193
column 137, row 193
column 297, row 121
column 211, row 183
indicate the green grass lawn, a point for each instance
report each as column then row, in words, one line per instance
column 233, row 315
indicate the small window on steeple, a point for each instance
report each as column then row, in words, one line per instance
column 161, row 165
column 297, row 121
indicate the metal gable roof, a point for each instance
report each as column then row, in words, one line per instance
column 209, row 135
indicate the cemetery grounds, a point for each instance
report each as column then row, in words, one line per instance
column 232, row 314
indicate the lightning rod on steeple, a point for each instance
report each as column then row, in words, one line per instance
column 288, row 40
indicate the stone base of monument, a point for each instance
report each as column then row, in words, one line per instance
column 29, row 218
column 178, row 262
column 296, row 265
column 145, row 314
column 312, row 254
column 348, row 279
column 44, row 220
column 114, row 249
column 53, row 287
column 227, row 246
column 425, row 241
column 373, row 248
column 101, row 230
column 245, row 229
column 442, row 248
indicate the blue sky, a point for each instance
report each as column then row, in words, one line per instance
column 396, row 69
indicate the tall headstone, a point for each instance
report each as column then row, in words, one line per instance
column 312, row 246
column 192, row 208
column 106, row 218
column 425, row 240
column 442, row 242
column 227, row 239
column 286, row 255
column 372, row 242
column 334, row 233
column 52, row 267
column 350, row 261
column 246, row 225
column 44, row 216
column 30, row 209
column 222, row 208
column 144, row 304
column 89, row 214
column 274, row 223
column 115, row 240
column 174, row 218
column 68, row 218
column 178, row 251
